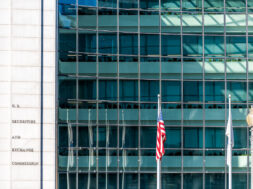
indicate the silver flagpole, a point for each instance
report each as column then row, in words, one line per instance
column 158, row 161
column 230, row 145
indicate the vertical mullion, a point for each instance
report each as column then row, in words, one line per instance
column 77, row 91
column 225, row 80
column 204, row 95
column 139, row 97
column 117, row 94
column 97, row 95
column 247, row 81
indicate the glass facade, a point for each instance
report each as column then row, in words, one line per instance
column 115, row 56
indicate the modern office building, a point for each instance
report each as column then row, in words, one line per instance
column 79, row 81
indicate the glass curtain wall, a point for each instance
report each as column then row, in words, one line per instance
column 115, row 56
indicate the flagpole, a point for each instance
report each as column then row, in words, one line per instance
column 158, row 161
column 230, row 146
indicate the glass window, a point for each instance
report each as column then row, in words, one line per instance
column 107, row 3
column 236, row 68
column 170, row 23
column 128, row 90
column 85, row 180
column 107, row 66
column 240, row 137
column 214, row 23
column 149, row 67
column 87, row 89
column 173, row 137
column 236, row 24
column 237, row 91
column 149, row 21
column 87, row 41
column 193, row 181
column 192, row 45
column 63, row 181
column 89, row 136
column 192, row 23
column 128, row 20
column 214, row 68
column 171, row 68
column 67, row 91
column 250, row 46
column 193, row 68
column 149, row 90
column 171, row 91
column 67, row 40
column 170, row 5
column 214, row 5
column 107, row 19
column 87, row 18
column 67, row 16
column 193, row 138
column 215, row 91
column 108, row 43
column 108, row 90
column 171, row 181
column 171, row 45
column 67, row 1
column 128, row 44
column 239, row 180
column 148, row 134
column 129, row 137
column 149, row 4
column 148, row 180
column 128, row 4
column 215, row 180
column 149, row 44
column 87, row 2
column 193, row 91
column 128, row 66
column 64, row 136
column 107, row 180
column 214, row 45
column 236, row 46
column 215, row 138
column 107, row 136
column 235, row 5
column 192, row 5
column 129, row 180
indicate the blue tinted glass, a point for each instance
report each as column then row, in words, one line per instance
column 171, row 181
column 128, row 90
column 63, row 181
column 240, row 137
column 148, row 134
column 108, row 90
column 149, row 90
column 63, row 136
column 171, row 45
column 239, row 180
column 149, row 44
column 192, row 45
column 128, row 44
column 107, row 3
column 128, row 4
column 215, row 180
column 87, row 42
column 215, row 138
column 108, row 43
column 88, row 2
column 67, row 91
column 148, row 181
column 236, row 46
column 87, row 89
column 193, row 138
column 194, row 181
column 67, row 1
column 173, row 138
column 85, row 180
column 129, row 180
column 215, row 91
column 237, row 91
column 67, row 40
column 149, row 4
column 214, row 45
column 171, row 91
column 67, row 16
column 193, row 91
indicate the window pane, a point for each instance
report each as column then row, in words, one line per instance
column 171, row 45
column 67, row 40
column 108, row 90
column 149, row 44
column 128, row 4
column 214, row 46
column 193, row 181
column 128, row 20
column 171, row 91
column 240, row 137
column 149, row 4
column 87, row 89
column 236, row 46
column 107, row 66
column 192, row 45
column 87, row 18
column 87, row 2
column 107, row 19
column 67, row 16
column 235, row 5
column 170, row 5
column 192, row 5
column 192, row 23
column 171, row 181
column 128, row 90
column 173, row 137
column 215, row 91
column 108, row 43
column 107, row 3
column 149, row 21
column 214, row 5
column 215, row 138
column 87, row 41
column 128, row 44
column 193, row 91
column 149, row 90
column 170, row 23
column 148, row 134
column 193, row 138
column 237, row 91
column 215, row 180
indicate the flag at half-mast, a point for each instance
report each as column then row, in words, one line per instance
column 161, row 136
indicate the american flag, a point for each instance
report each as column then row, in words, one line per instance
column 161, row 136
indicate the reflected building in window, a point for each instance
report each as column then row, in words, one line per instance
column 115, row 56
